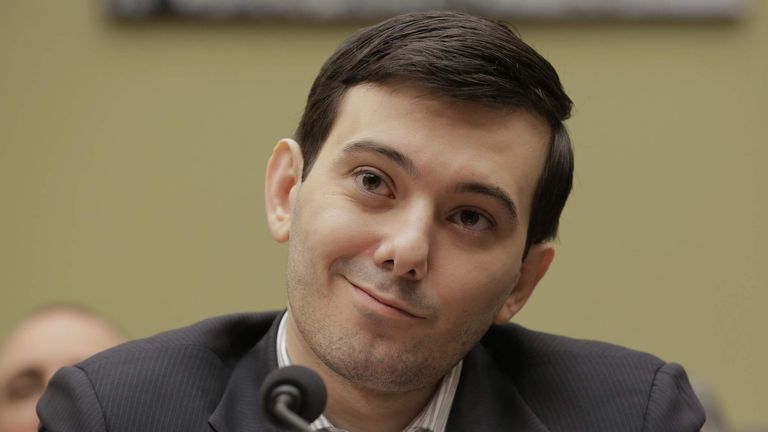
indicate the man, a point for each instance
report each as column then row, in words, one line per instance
column 38, row 346
column 427, row 175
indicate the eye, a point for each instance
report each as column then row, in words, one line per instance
column 472, row 220
column 373, row 182
column 25, row 385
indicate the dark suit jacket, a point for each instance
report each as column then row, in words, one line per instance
column 207, row 377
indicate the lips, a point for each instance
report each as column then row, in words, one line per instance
column 387, row 302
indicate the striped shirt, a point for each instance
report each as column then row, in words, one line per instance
column 433, row 418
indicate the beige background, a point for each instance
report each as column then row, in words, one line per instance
column 131, row 161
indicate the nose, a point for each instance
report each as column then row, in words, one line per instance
column 404, row 250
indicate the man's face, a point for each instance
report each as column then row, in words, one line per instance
column 407, row 237
column 34, row 351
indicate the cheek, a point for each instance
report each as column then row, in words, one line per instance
column 476, row 286
column 331, row 228
column 19, row 418
column 29, row 425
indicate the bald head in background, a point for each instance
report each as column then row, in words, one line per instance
column 36, row 348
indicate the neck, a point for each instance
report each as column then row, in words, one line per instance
column 353, row 407
column 357, row 409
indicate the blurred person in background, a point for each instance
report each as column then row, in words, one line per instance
column 48, row 339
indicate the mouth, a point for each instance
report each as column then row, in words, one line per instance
column 389, row 306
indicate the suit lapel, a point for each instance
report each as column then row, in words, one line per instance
column 488, row 400
column 239, row 409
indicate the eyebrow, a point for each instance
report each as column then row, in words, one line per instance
column 367, row 146
column 403, row 161
column 494, row 192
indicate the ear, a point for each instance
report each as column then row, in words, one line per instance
column 534, row 268
column 281, row 185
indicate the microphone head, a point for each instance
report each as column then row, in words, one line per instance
column 311, row 391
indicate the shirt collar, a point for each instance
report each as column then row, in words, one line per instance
column 434, row 416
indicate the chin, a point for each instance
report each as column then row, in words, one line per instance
column 385, row 369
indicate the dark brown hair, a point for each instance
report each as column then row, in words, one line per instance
column 462, row 57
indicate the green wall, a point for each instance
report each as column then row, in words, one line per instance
column 132, row 156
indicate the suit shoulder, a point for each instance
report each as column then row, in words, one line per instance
column 532, row 346
column 198, row 349
column 181, row 373
column 577, row 383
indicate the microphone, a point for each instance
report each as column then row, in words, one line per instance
column 293, row 397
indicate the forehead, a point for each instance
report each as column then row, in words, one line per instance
column 55, row 338
column 447, row 139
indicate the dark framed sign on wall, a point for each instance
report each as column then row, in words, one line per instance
column 347, row 10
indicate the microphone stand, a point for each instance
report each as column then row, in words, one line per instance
column 286, row 399
column 293, row 396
